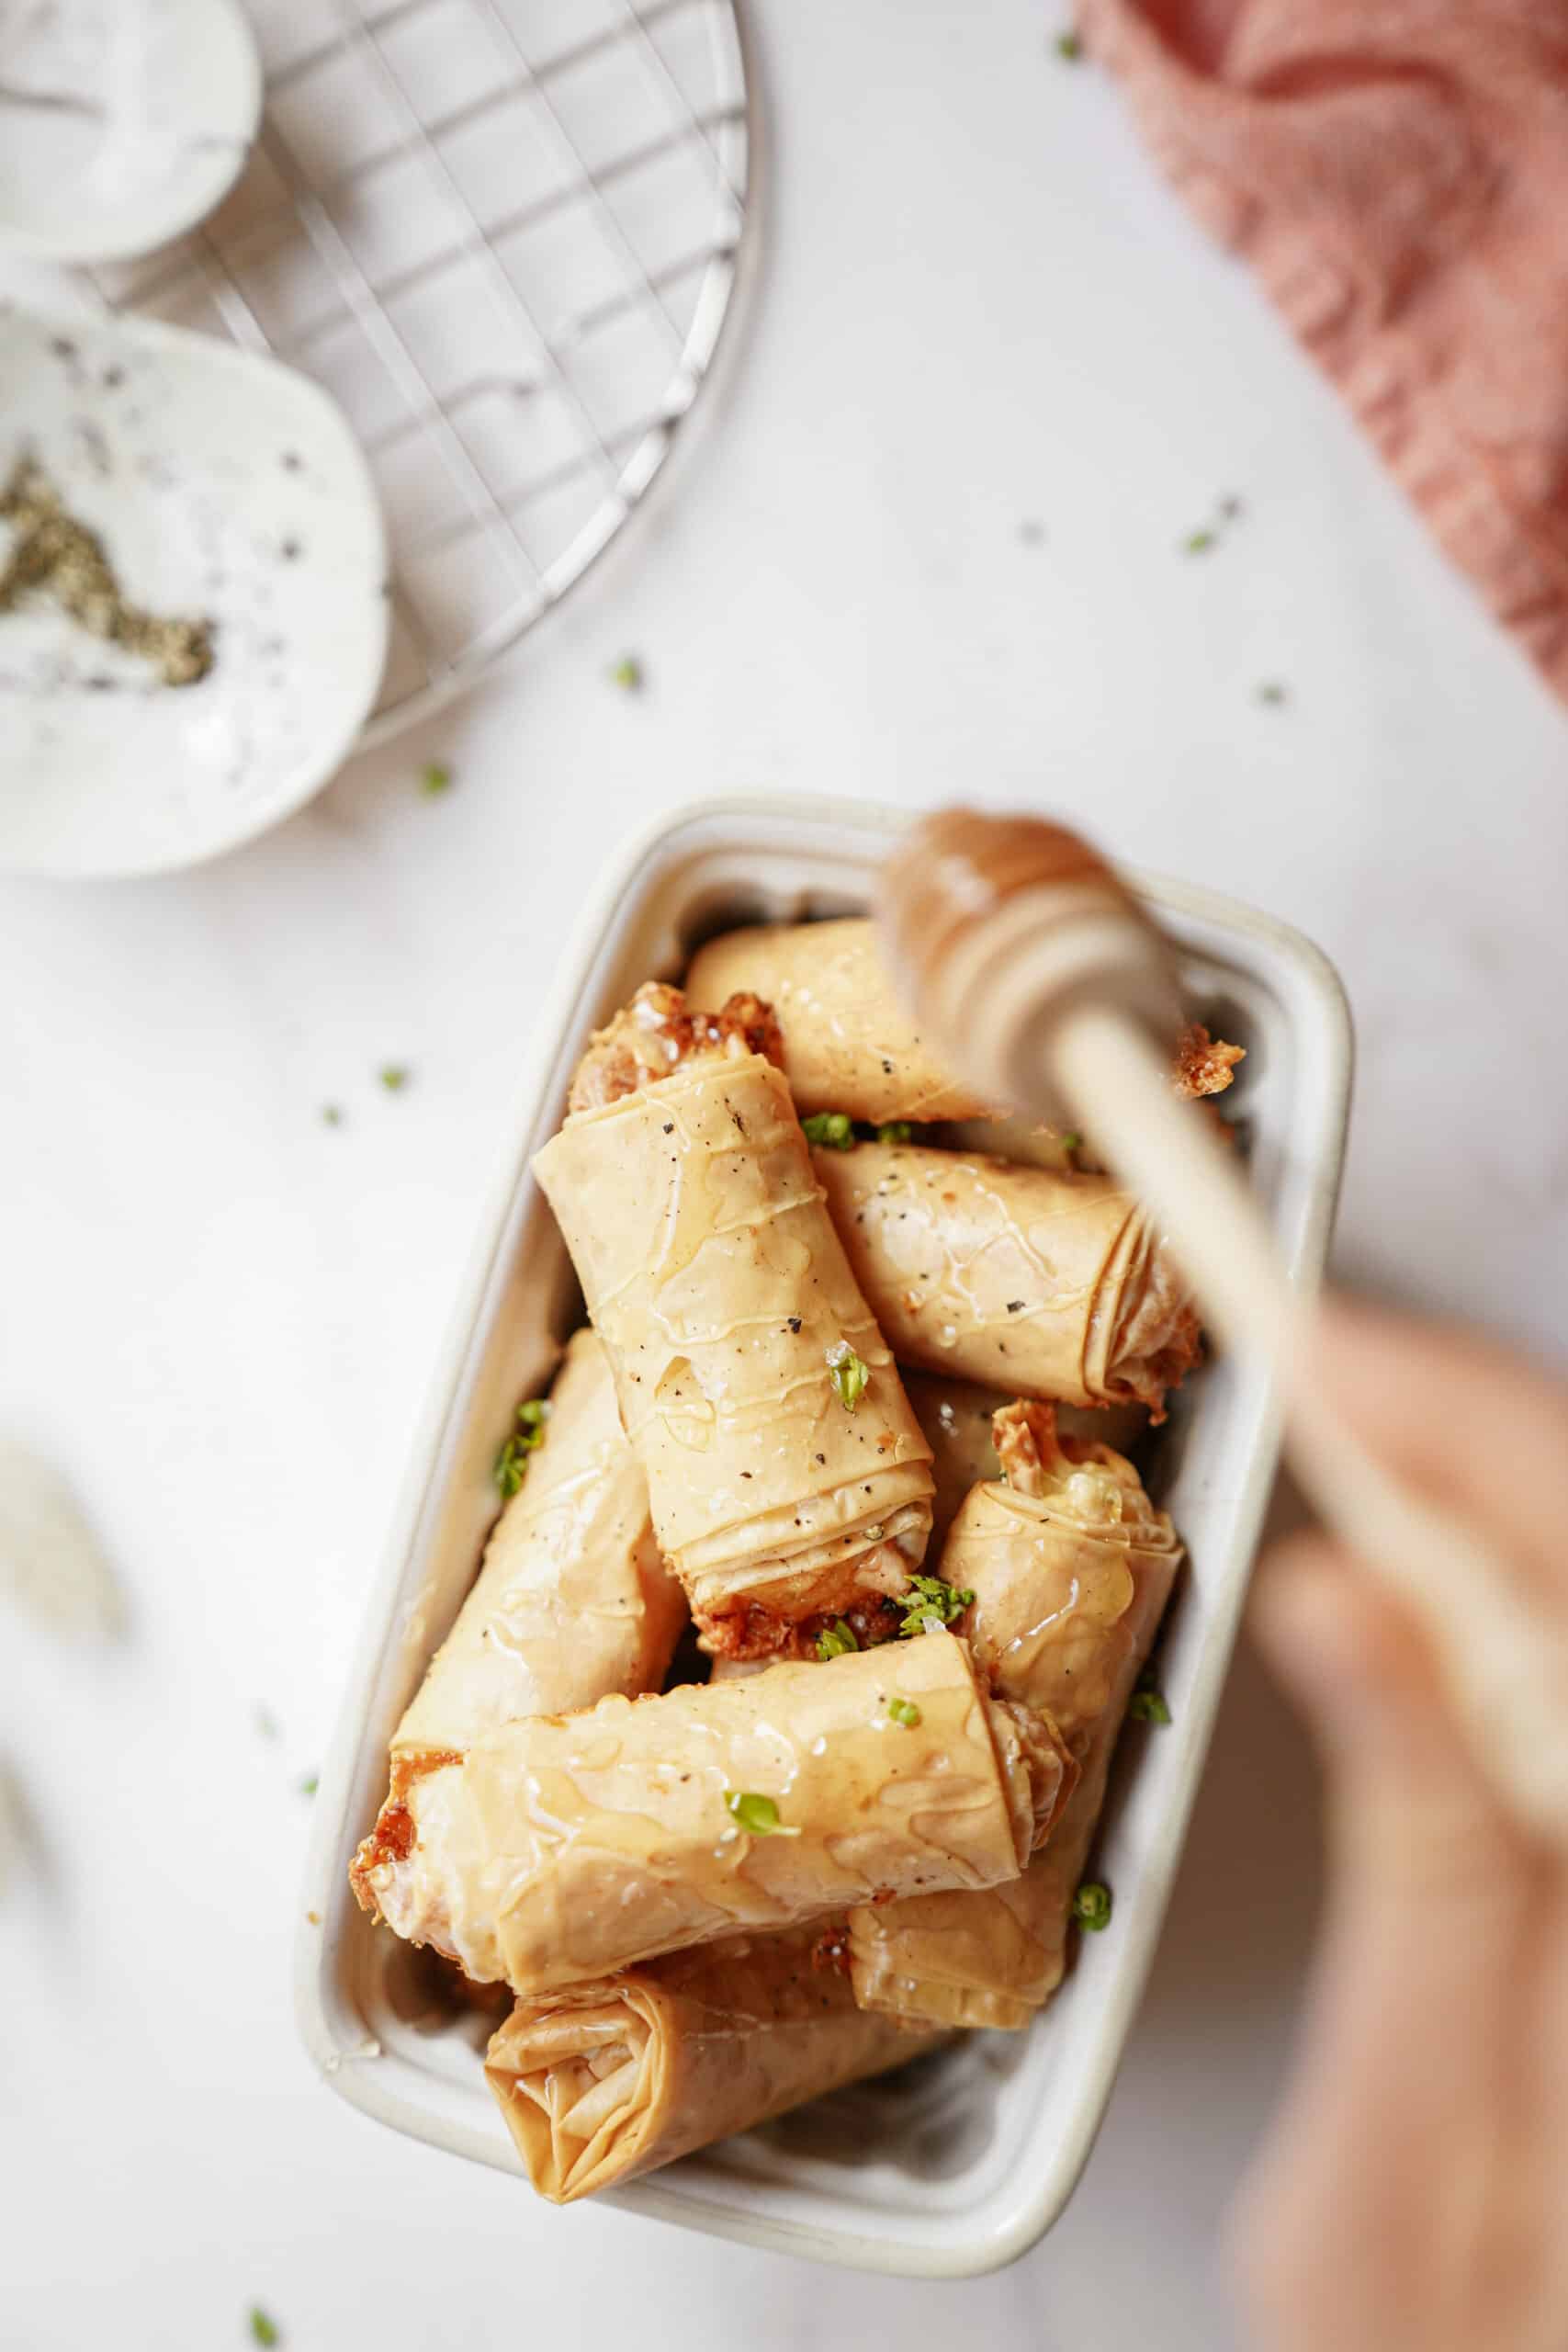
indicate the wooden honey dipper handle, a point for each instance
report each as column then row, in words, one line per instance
column 1034, row 970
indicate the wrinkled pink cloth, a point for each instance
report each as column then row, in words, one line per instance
column 1396, row 173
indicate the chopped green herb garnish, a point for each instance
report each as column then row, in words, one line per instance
column 1271, row 691
column 267, row 1723
column 309, row 1785
column 332, row 1115
column 848, row 1375
column 1069, row 46
column 394, row 1076
column 928, row 1605
column 895, row 1131
column 263, row 2329
column 1091, row 1906
column 835, row 1640
column 1200, row 542
column 834, row 1130
column 1071, row 1141
column 758, row 1815
column 905, row 1712
column 627, row 674
column 1147, row 1705
column 435, row 779
column 511, row 1461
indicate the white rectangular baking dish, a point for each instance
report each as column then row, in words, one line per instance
column 960, row 2164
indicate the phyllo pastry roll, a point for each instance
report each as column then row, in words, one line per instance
column 599, row 1840
column 1071, row 1567
column 608, row 2079
column 849, row 1044
column 572, row 1602
column 956, row 1415
column 787, row 1476
column 1036, row 1281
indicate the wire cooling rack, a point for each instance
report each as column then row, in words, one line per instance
column 504, row 234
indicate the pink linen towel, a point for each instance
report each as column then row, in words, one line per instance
column 1396, row 173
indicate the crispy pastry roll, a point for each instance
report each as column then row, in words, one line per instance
column 787, row 1475
column 591, row 1842
column 606, row 2080
column 1037, row 1282
column 572, row 1601
column 956, row 1415
column 849, row 1043
column 1071, row 1567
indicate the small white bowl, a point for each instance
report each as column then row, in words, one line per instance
column 959, row 2163
column 125, row 121
column 222, row 486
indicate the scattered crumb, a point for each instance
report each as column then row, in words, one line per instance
column 1272, row 692
column 1032, row 534
column 1228, row 508
column 312, row 1919
column 332, row 1115
column 51, row 1562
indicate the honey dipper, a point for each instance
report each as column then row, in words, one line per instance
column 1039, row 974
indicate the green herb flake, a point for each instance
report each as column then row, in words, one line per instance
column 511, row 1461
column 848, row 1375
column 928, row 1605
column 905, row 1712
column 1149, row 1706
column 263, row 2327
column 1200, row 542
column 332, row 1115
column 309, row 1785
column 627, row 674
column 835, row 1640
column 1274, row 693
column 758, row 1815
column 266, row 1724
column 834, row 1130
column 394, row 1076
column 1069, row 48
column 1071, row 1141
column 895, row 1131
column 434, row 778
column 1091, row 1906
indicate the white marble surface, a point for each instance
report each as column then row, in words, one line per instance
column 975, row 308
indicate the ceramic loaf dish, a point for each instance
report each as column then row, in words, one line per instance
column 959, row 2163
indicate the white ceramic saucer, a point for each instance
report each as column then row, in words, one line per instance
column 122, row 122
column 221, row 487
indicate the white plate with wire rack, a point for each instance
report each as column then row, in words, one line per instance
column 504, row 234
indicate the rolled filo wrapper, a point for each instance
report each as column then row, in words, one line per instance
column 643, row 1826
column 572, row 1599
column 851, row 1045
column 1041, row 1283
column 1071, row 1567
column 608, row 2079
column 787, row 1475
column 572, row 1602
column 956, row 1415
